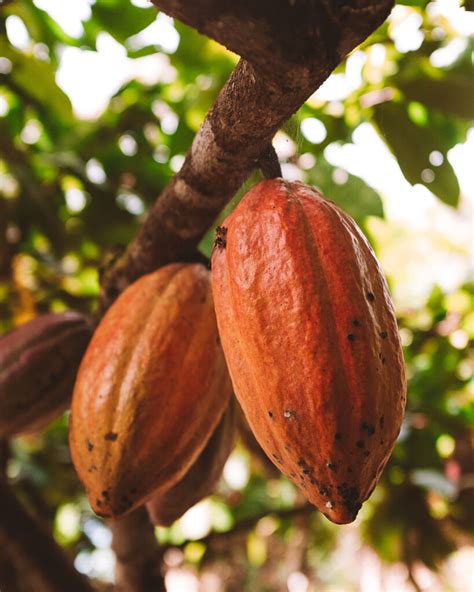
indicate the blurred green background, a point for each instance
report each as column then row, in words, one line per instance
column 99, row 102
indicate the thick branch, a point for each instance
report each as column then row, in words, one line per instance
column 288, row 41
column 138, row 554
column 259, row 97
column 43, row 564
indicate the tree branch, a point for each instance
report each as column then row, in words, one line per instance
column 138, row 554
column 33, row 551
column 290, row 47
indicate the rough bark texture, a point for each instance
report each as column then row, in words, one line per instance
column 138, row 554
column 43, row 564
column 289, row 49
column 286, row 40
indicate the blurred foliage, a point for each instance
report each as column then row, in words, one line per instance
column 73, row 191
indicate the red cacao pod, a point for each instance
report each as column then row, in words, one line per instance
column 151, row 389
column 38, row 366
column 201, row 479
column 311, row 342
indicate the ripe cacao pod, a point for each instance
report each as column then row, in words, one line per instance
column 38, row 366
column 150, row 391
column 201, row 479
column 311, row 342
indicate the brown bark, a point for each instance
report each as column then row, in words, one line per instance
column 291, row 42
column 138, row 554
column 290, row 47
column 41, row 563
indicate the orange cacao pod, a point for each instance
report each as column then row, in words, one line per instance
column 311, row 342
column 201, row 479
column 38, row 366
column 151, row 389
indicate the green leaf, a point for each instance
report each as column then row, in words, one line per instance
column 354, row 195
column 413, row 144
column 119, row 19
column 452, row 94
column 36, row 78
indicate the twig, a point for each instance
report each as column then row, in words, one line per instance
column 412, row 579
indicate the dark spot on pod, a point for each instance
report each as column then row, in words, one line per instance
column 383, row 334
column 350, row 497
column 360, row 444
column 332, row 466
column 323, row 491
column 133, row 490
column 366, row 453
column 382, row 441
column 105, row 494
column 356, row 323
column 314, row 481
column 270, row 415
column 91, row 469
column 351, row 337
column 370, row 429
column 382, row 421
column 287, row 448
column 98, row 502
column 370, row 296
column 338, row 436
column 221, row 237
column 90, row 446
column 353, row 507
column 307, row 471
column 292, row 474
column 111, row 436
column 277, row 458
column 382, row 359
column 349, row 470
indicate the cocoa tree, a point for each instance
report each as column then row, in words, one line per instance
column 287, row 50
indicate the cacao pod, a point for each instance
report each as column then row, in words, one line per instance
column 38, row 366
column 311, row 342
column 201, row 479
column 150, row 391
